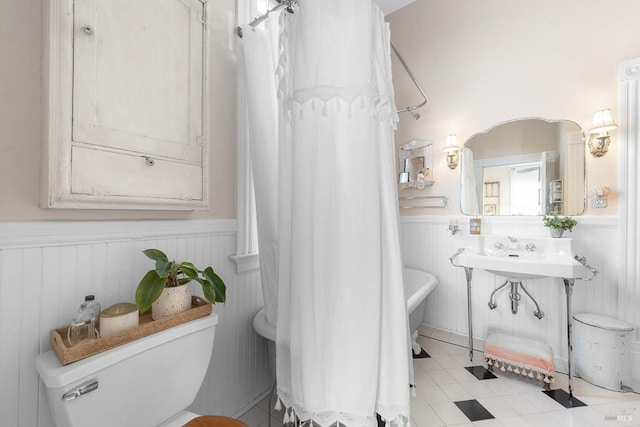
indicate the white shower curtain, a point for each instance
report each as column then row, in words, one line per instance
column 469, row 189
column 260, row 55
column 342, row 333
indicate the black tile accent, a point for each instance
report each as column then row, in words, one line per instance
column 474, row 410
column 423, row 354
column 563, row 398
column 480, row 372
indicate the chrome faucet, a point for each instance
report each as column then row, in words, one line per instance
column 512, row 239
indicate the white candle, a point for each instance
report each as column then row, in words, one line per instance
column 118, row 318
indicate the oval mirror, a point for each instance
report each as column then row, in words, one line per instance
column 526, row 166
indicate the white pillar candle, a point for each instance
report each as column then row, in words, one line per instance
column 118, row 318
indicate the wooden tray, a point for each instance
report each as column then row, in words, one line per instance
column 68, row 354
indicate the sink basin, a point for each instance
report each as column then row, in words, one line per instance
column 521, row 258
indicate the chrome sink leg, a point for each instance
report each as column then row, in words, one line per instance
column 469, row 273
column 568, row 288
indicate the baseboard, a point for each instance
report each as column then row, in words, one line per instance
column 251, row 404
column 450, row 337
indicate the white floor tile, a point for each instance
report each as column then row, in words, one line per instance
column 514, row 422
column 562, row 418
column 432, row 394
column 487, row 423
column 499, row 387
column 497, row 407
column 479, row 389
column 425, row 416
column 254, row 417
column 441, row 377
column 456, row 392
column 449, row 413
column 543, row 402
column 461, row 375
column 428, row 364
column 422, row 379
column 520, row 404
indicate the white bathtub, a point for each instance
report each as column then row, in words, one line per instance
column 418, row 285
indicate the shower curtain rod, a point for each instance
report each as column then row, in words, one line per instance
column 288, row 5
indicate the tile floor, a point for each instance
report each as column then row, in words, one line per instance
column 444, row 386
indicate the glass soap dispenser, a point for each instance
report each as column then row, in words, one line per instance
column 82, row 325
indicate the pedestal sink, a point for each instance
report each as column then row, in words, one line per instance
column 518, row 258
column 521, row 258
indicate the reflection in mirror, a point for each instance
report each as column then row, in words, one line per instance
column 416, row 164
column 524, row 167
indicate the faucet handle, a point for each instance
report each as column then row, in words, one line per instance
column 530, row 247
column 498, row 245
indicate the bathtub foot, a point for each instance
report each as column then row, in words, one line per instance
column 414, row 344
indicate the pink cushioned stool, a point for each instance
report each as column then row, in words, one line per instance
column 522, row 356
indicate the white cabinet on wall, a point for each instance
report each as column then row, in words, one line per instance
column 127, row 104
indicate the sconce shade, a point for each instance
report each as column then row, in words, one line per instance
column 452, row 144
column 453, row 151
column 602, row 122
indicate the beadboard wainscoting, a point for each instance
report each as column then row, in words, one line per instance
column 46, row 269
column 427, row 244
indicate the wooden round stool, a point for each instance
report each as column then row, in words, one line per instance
column 214, row 421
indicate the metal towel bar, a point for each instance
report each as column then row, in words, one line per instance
column 444, row 201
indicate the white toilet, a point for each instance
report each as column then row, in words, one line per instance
column 148, row 382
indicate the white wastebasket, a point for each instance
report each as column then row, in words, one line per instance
column 601, row 350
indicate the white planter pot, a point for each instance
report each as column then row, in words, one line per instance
column 556, row 232
column 172, row 300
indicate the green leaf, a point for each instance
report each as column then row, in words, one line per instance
column 219, row 288
column 189, row 270
column 163, row 267
column 155, row 254
column 184, row 280
column 149, row 290
column 207, row 290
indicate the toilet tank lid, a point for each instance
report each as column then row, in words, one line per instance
column 603, row 322
column 54, row 374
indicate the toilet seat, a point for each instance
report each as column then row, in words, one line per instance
column 214, row 421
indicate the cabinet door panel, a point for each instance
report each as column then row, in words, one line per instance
column 105, row 173
column 138, row 76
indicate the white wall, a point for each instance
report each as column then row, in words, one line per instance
column 484, row 62
column 46, row 269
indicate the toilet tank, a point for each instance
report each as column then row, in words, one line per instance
column 142, row 383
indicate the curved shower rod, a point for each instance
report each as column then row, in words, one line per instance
column 410, row 108
column 288, row 4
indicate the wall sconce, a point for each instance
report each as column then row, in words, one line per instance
column 599, row 133
column 452, row 150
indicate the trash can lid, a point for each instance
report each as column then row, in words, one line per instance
column 603, row 322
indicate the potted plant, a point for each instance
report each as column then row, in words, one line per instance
column 558, row 225
column 163, row 288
